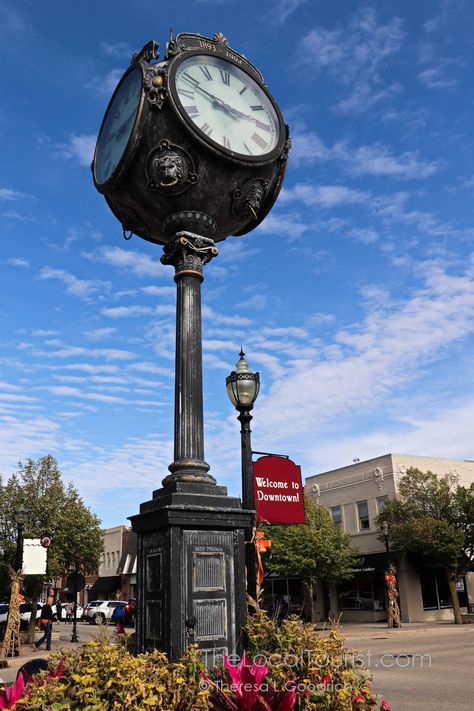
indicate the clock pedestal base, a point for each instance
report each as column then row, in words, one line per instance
column 191, row 571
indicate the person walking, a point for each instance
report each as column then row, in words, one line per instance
column 46, row 624
column 59, row 610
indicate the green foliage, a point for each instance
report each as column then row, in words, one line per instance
column 102, row 677
column 434, row 518
column 52, row 507
column 316, row 550
column 328, row 676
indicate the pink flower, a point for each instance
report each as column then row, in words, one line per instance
column 246, row 680
column 385, row 706
column 10, row 695
column 358, row 699
column 326, row 679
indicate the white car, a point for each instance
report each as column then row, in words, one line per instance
column 79, row 611
column 101, row 611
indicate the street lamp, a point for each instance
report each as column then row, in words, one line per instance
column 243, row 386
column 20, row 520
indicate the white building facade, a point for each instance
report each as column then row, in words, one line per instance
column 355, row 495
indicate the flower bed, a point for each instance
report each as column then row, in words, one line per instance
column 292, row 667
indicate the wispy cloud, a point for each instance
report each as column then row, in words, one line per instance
column 105, row 84
column 355, row 55
column 119, row 49
column 18, row 262
column 131, row 260
column 78, row 147
column 374, row 159
column 100, row 334
column 82, row 288
column 7, row 194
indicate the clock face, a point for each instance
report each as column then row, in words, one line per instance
column 227, row 106
column 117, row 125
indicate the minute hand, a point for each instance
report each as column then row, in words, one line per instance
column 221, row 104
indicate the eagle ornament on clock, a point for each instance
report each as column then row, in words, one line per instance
column 193, row 142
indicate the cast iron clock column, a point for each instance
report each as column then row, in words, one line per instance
column 188, row 253
column 192, row 149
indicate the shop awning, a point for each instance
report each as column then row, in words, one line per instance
column 110, row 583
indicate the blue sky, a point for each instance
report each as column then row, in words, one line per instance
column 354, row 299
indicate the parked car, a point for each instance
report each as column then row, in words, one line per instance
column 79, row 611
column 100, row 611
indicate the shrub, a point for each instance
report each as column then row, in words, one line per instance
column 102, row 677
column 327, row 675
column 292, row 666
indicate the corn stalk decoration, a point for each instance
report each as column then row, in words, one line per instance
column 393, row 610
column 11, row 642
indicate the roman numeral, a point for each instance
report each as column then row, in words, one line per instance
column 191, row 80
column 263, row 126
column 186, row 92
column 225, row 76
column 247, row 148
column 205, row 71
column 259, row 107
column 226, row 142
column 242, row 90
column 192, row 110
column 259, row 140
column 206, row 128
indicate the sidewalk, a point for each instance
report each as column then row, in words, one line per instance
column 379, row 629
column 27, row 653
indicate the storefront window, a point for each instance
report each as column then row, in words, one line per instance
column 435, row 590
column 364, row 593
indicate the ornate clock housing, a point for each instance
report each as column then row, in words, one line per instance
column 194, row 142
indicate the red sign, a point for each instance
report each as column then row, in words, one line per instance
column 278, row 491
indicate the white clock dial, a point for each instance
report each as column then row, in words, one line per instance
column 118, row 125
column 227, row 105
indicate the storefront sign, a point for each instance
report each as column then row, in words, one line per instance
column 278, row 490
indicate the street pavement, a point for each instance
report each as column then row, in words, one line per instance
column 418, row 667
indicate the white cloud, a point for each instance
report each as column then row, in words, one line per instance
column 324, row 195
column 355, row 55
column 9, row 195
column 372, row 359
column 99, row 334
column 119, row 49
column 375, row 159
column 131, row 260
column 19, row 262
column 106, row 84
column 79, row 148
column 125, row 311
column 82, row 288
column 282, row 9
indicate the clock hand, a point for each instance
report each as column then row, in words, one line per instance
column 219, row 103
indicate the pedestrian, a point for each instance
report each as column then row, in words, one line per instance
column 69, row 611
column 46, row 621
column 118, row 616
column 59, row 611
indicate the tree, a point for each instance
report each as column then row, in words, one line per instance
column 316, row 551
column 54, row 508
column 435, row 519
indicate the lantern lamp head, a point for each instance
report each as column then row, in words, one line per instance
column 243, row 384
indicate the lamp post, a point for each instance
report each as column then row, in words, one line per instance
column 385, row 537
column 243, row 386
column 20, row 520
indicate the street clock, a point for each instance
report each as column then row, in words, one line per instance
column 194, row 142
